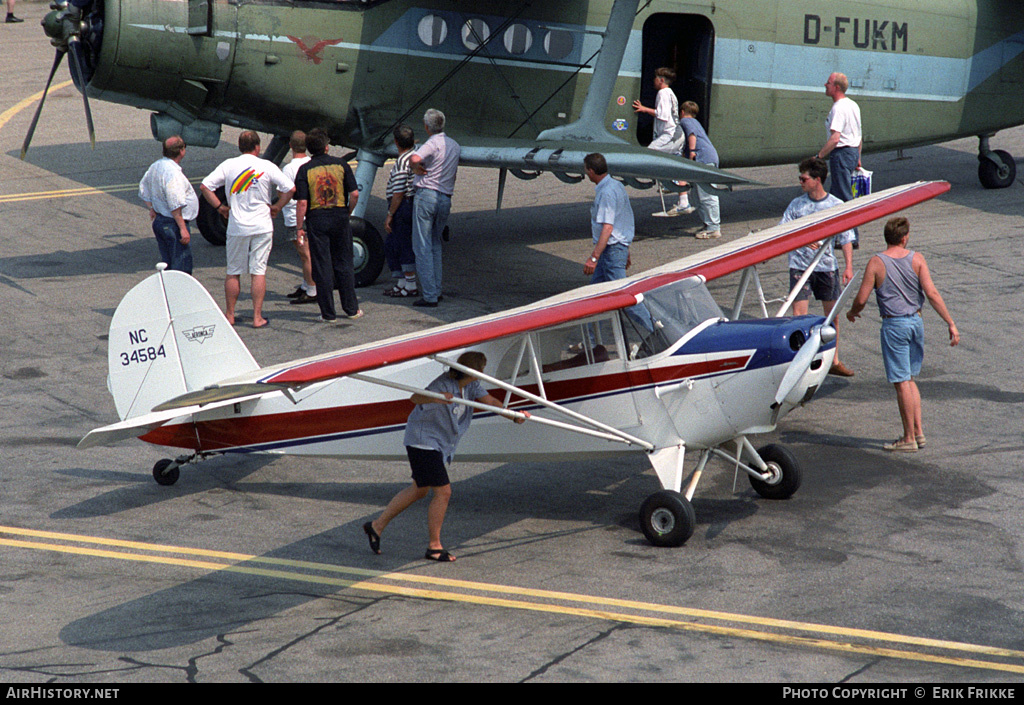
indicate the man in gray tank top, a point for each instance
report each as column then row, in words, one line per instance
column 901, row 281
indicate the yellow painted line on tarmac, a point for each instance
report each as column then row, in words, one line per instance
column 6, row 115
column 67, row 193
column 594, row 606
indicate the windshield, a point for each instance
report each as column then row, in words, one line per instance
column 667, row 314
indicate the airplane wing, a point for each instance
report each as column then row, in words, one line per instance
column 563, row 157
column 573, row 305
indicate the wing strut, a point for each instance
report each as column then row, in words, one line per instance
column 507, row 413
column 590, row 125
column 803, row 280
column 624, row 437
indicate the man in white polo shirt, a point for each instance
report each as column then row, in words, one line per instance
column 248, row 182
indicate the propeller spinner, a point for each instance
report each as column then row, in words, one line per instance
column 824, row 333
column 66, row 25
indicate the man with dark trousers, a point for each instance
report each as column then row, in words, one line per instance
column 326, row 193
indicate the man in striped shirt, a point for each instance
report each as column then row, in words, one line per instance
column 398, row 225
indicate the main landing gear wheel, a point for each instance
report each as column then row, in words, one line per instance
column 667, row 518
column 212, row 225
column 367, row 252
column 367, row 244
column 784, row 470
column 998, row 170
column 165, row 472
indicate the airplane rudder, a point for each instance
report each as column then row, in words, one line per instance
column 168, row 337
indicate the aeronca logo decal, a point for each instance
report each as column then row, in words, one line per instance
column 199, row 334
column 312, row 47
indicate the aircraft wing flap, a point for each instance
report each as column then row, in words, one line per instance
column 590, row 300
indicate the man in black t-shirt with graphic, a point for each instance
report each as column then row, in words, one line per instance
column 325, row 194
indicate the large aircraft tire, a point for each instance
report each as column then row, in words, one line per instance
column 367, row 244
column 211, row 224
column 667, row 518
column 785, row 471
column 367, row 252
column 993, row 175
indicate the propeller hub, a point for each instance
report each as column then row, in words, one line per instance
column 53, row 25
column 828, row 334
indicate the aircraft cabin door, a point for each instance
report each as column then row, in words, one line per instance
column 684, row 43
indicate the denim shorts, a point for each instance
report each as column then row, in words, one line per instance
column 902, row 347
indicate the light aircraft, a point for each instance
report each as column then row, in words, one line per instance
column 646, row 364
column 530, row 87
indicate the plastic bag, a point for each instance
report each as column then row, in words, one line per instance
column 860, row 182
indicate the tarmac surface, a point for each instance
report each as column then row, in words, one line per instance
column 881, row 568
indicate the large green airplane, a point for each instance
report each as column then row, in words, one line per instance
column 530, row 87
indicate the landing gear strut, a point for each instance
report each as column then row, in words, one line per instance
column 996, row 168
column 667, row 517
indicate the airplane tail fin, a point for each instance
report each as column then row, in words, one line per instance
column 168, row 337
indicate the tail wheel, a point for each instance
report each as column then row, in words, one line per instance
column 166, row 472
column 667, row 518
column 784, row 470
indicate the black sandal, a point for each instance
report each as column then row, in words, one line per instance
column 373, row 536
column 440, row 555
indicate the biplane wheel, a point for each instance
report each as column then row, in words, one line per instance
column 164, row 474
column 993, row 175
column 212, row 225
column 667, row 518
column 367, row 252
column 785, row 471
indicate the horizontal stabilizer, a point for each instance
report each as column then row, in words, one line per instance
column 141, row 425
column 216, row 396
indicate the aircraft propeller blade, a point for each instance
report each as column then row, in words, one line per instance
column 75, row 64
column 810, row 348
column 839, row 304
column 801, row 362
column 35, row 119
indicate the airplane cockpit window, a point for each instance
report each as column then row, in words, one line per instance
column 564, row 347
column 577, row 345
column 665, row 315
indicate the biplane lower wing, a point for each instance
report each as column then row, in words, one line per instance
column 719, row 261
column 566, row 157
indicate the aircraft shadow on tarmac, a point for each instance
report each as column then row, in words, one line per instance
column 606, row 494
column 222, row 602
column 141, row 491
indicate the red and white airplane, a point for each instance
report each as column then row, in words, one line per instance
column 645, row 364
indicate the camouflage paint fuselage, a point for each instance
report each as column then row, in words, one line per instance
column 921, row 72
